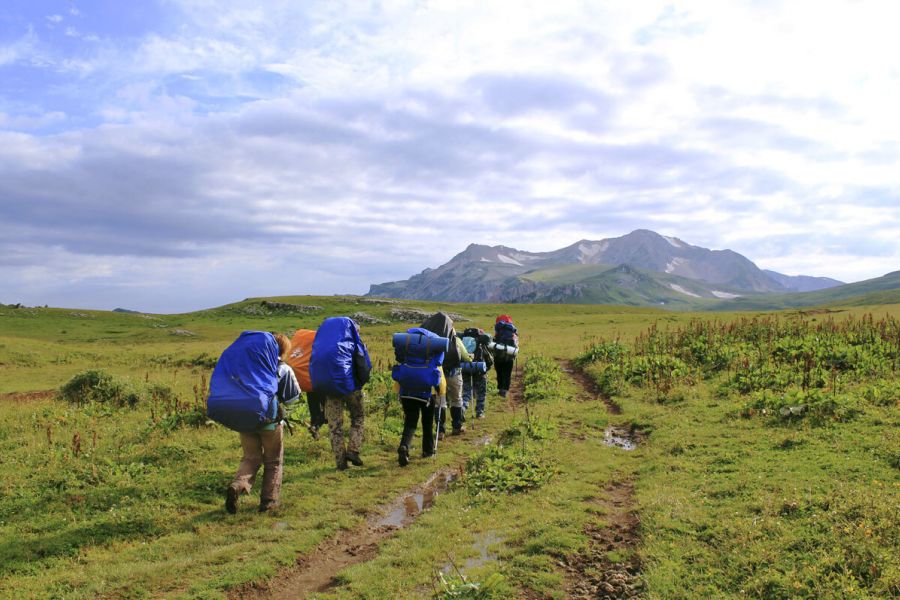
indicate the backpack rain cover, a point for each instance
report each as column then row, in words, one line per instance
column 419, row 353
column 331, row 364
column 243, row 384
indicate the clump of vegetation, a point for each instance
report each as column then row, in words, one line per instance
column 95, row 385
column 169, row 412
column 528, row 429
column 791, row 369
column 507, row 470
column 542, row 378
column 451, row 587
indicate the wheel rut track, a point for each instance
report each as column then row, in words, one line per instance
column 609, row 567
column 316, row 570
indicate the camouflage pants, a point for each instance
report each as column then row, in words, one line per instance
column 334, row 412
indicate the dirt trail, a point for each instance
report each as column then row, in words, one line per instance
column 609, row 567
column 589, row 386
column 316, row 570
column 27, row 396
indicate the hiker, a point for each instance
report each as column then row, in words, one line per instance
column 442, row 325
column 474, row 373
column 263, row 445
column 419, row 381
column 339, row 368
column 505, row 347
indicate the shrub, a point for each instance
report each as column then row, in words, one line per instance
column 99, row 386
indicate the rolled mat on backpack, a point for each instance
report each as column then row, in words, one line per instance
column 473, row 368
column 419, row 344
column 503, row 349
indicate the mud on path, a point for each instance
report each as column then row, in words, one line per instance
column 609, row 567
column 315, row 571
column 589, row 386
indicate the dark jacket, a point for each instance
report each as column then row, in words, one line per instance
column 442, row 325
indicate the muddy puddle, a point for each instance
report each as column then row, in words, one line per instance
column 405, row 511
column 620, row 437
column 482, row 545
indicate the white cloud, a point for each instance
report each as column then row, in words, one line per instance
column 727, row 124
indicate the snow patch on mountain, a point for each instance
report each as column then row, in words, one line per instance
column 673, row 241
column 508, row 260
column 589, row 251
column 725, row 295
column 483, row 259
column 681, row 290
column 676, row 262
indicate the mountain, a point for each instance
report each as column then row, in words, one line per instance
column 802, row 283
column 640, row 268
column 880, row 290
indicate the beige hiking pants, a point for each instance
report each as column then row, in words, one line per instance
column 261, row 448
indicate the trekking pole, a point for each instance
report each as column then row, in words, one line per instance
column 437, row 433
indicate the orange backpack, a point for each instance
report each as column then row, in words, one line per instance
column 298, row 359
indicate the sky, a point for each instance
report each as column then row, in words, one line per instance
column 172, row 155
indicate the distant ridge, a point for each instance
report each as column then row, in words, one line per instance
column 642, row 268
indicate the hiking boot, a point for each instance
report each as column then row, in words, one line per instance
column 267, row 505
column 479, row 415
column 403, row 456
column 427, row 454
column 231, row 499
column 440, row 435
column 342, row 464
column 314, row 432
column 458, row 430
column 502, row 393
column 354, row 459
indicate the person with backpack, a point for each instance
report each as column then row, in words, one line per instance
column 339, row 368
column 474, row 373
column 505, row 347
column 419, row 382
column 251, row 391
column 442, row 325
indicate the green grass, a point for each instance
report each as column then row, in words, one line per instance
column 103, row 500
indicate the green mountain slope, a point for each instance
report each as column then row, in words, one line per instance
column 881, row 290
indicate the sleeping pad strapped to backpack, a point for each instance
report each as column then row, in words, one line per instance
column 243, row 384
column 506, row 338
column 419, row 353
column 298, row 359
column 476, row 340
column 340, row 362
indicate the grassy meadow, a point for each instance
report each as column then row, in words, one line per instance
column 768, row 463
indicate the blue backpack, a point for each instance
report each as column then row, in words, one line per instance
column 339, row 363
column 505, row 333
column 419, row 354
column 243, row 384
